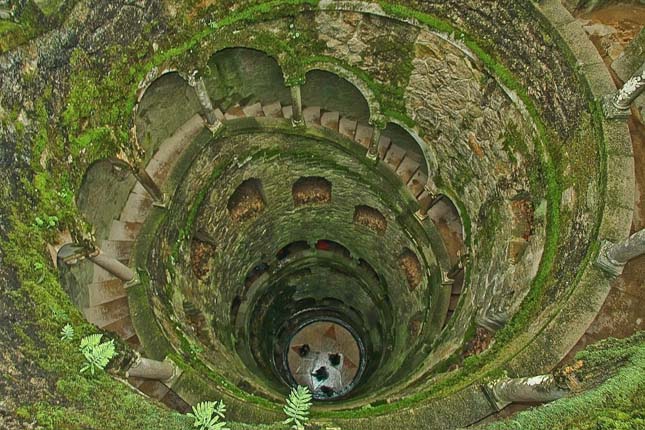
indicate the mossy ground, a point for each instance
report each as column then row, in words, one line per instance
column 95, row 123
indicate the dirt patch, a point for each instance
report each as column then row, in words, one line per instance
column 612, row 27
column 247, row 201
column 370, row 218
column 410, row 265
column 479, row 343
column 200, row 256
column 311, row 190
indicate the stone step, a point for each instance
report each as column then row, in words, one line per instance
column 219, row 114
column 119, row 249
column 123, row 328
column 100, row 275
column 407, row 168
column 235, row 112
column 273, row 110
column 253, row 111
column 454, row 299
column 136, row 208
column 364, row 135
column 383, row 146
column 107, row 313
column 347, row 127
column 311, row 115
column 287, row 112
column 394, row 157
column 106, row 291
column 122, row 230
column 330, row 120
column 154, row 389
column 417, row 183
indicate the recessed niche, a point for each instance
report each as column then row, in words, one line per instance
column 368, row 267
column 254, row 274
column 370, row 218
column 311, row 189
column 292, row 248
column 247, row 201
column 200, row 255
column 331, row 246
column 411, row 267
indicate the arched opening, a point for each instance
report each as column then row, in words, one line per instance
column 168, row 103
column 445, row 216
column 311, row 189
column 254, row 274
column 404, row 156
column 411, row 267
column 334, row 247
column 371, row 218
column 331, row 93
column 292, row 248
column 245, row 77
column 247, row 201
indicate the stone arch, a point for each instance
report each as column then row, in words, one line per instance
column 334, row 247
column 371, row 218
column 311, row 189
column 292, row 248
column 244, row 76
column 247, row 201
column 447, row 219
column 163, row 106
column 352, row 85
column 411, row 267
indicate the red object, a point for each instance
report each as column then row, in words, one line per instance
column 323, row 245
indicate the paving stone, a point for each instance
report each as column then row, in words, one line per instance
column 273, row 110
column 287, row 112
column 253, row 110
column 122, row 230
column 407, row 168
column 394, row 157
column 311, row 115
column 347, row 127
column 364, row 135
column 107, row 313
column 417, row 183
column 106, row 291
column 383, row 146
column 330, row 120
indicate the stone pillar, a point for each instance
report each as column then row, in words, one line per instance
column 535, row 389
column 613, row 257
column 372, row 151
column 149, row 185
column 296, row 106
column 617, row 105
column 143, row 178
column 152, row 369
column 112, row 265
column 205, row 101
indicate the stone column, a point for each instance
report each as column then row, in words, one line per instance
column 205, row 101
column 296, row 106
column 613, row 257
column 535, row 389
column 142, row 176
column 372, row 151
column 617, row 105
column 152, row 369
column 149, row 185
column 112, row 265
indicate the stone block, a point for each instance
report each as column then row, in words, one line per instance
column 234, row 113
column 106, row 291
column 123, row 328
column 311, row 114
column 253, row 111
column 617, row 137
column 347, row 128
column 107, row 313
column 330, row 120
column 273, row 110
column 555, row 12
column 287, row 112
column 407, row 168
column 599, row 80
column 394, row 157
column 417, row 183
column 616, row 224
column 620, row 181
column 121, row 230
column 364, row 135
column 119, row 249
column 383, row 146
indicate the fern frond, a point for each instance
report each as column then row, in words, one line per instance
column 67, row 332
column 297, row 407
column 206, row 415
